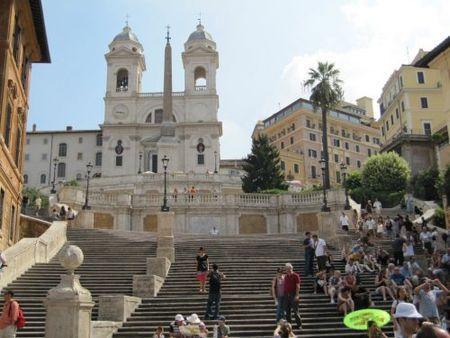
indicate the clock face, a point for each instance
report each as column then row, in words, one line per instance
column 120, row 115
column 120, row 112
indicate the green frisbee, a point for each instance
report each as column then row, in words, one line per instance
column 357, row 320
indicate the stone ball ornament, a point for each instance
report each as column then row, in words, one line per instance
column 71, row 258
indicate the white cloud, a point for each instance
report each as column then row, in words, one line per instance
column 383, row 31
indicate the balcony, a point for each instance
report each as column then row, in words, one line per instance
column 200, row 88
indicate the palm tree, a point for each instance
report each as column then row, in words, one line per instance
column 326, row 93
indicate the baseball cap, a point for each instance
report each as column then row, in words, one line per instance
column 407, row 310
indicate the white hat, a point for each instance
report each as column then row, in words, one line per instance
column 407, row 310
column 179, row 318
column 193, row 319
column 289, row 266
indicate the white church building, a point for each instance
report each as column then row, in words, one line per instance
column 140, row 128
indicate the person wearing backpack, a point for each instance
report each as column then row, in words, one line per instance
column 9, row 317
column 215, row 277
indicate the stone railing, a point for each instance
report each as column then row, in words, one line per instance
column 29, row 251
column 159, row 94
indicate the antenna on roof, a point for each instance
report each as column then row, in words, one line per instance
column 199, row 18
column 126, row 19
column 168, row 33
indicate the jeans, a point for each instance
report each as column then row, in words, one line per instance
column 280, row 308
column 8, row 332
column 321, row 262
column 213, row 300
column 309, row 263
column 290, row 304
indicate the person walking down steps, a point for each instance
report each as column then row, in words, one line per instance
column 215, row 278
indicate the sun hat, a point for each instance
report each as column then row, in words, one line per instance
column 193, row 319
column 407, row 310
column 289, row 266
column 179, row 318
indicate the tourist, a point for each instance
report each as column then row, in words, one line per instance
column 2, row 261
column 55, row 214
column 320, row 247
column 408, row 224
column 373, row 331
column 159, row 333
column 377, row 206
column 320, row 282
column 292, row 295
column 214, row 231
column 382, row 256
column 283, row 330
column 202, row 268
column 388, row 226
column 278, row 293
column 351, row 267
column 308, row 245
column 407, row 319
column 10, row 314
column 174, row 327
column 70, row 214
column 408, row 248
column 397, row 248
column 344, row 222
column 429, row 330
column 37, row 204
column 427, row 297
column 355, row 218
column 350, row 281
column 215, row 278
column 401, row 296
column 370, row 226
column 62, row 213
column 382, row 285
column 175, row 195
column 397, row 279
column 345, row 302
column 334, row 284
column 203, row 330
column 221, row 330
column 193, row 326
column 380, row 227
column 426, row 238
column 369, row 207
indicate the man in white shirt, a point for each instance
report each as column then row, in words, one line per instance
column 426, row 238
column 370, row 224
column 214, row 231
column 320, row 248
column 377, row 206
column 343, row 219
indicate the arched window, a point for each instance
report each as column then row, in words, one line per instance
column 61, row 170
column 62, row 151
column 43, row 178
column 122, row 80
column 98, row 159
column 25, row 179
column 149, row 118
column 199, row 79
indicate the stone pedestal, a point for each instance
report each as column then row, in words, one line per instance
column 146, row 286
column 85, row 219
column 116, row 308
column 69, row 305
column 158, row 266
column 165, row 248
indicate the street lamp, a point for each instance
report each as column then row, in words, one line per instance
column 344, row 176
column 89, row 167
column 215, row 162
column 165, row 161
column 55, row 164
column 323, row 166
column 140, row 162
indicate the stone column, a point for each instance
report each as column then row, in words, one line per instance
column 166, row 246
column 69, row 305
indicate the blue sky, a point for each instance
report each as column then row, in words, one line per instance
column 265, row 49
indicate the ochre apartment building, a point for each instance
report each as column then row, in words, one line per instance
column 296, row 131
column 23, row 41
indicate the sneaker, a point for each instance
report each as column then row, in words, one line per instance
column 332, row 301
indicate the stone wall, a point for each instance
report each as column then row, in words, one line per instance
column 32, row 227
column 103, row 221
column 252, row 224
column 307, row 222
column 151, row 223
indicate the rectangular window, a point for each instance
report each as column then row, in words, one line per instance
column 382, row 130
column 200, row 159
column 282, row 165
column 401, row 82
column 392, row 120
column 312, row 137
column 158, row 116
column 2, row 204
column 347, row 146
column 79, row 156
column 12, row 223
column 427, row 128
column 369, row 152
column 282, row 145
column 336, row 158
column 347, row 160
column 420, row 77
column 43, row 179
column 357, row 148
column 312, row 153
column 16, row 40
column 98, row 159
column 99, row 140
column 367, row 138
column 387, row 125
column 338, row 177
column 24, row 70
column 337, row 143
column 424, row 102
column 403, row 106
column 292, row 140
column 119, row 161
column 358, row 164
column 44, row 157
column 8, row 122
column 296, row 168
column 18, row 146
column 61, row 169
column 308, row 123
column 397, row 115
column 313, row 172
column 80, row 140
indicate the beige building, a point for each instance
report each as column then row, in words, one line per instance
column 296, row 131
column 23, row 41
column 415, row 103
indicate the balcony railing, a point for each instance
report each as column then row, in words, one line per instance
column 159, row 94
column 200, row 88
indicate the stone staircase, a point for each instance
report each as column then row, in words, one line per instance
column 110, row 261
column 249, row 263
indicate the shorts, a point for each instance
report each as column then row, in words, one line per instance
column 201, row 276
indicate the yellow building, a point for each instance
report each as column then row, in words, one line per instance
column 296, row 131
column 414, row 102
column 23, row 41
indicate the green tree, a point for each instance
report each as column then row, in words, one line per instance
column 425, row 184
column 444, row 182
column 353, row 180
column 387, row 173
column 262, row 167
column 326, row 94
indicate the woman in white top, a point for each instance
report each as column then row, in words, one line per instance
column 408, row 249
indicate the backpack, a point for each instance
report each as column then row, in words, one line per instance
column 20, row 323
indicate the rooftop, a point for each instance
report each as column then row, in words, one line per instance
column 431, row 55
column 41, row 35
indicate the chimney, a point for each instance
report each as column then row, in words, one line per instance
column 34, row 127
column 68, row 128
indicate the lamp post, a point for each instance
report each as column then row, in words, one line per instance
column 55, row 163
column 165, row 161
column 323, row 166
column 140, row 162
column 344, row 176
column 215, row 162
column 89, row 167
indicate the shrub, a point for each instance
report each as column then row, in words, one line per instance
column 439, row 218
column 425, row 184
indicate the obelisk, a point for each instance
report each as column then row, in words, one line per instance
column 167, row 127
